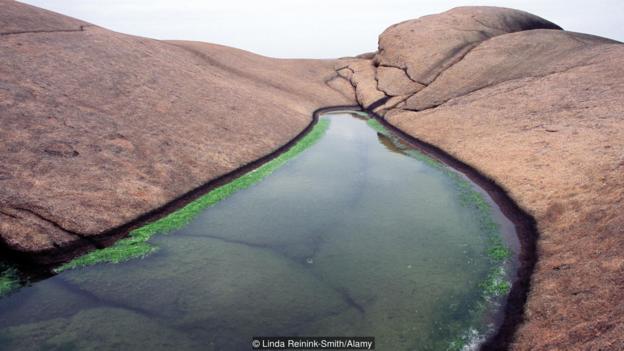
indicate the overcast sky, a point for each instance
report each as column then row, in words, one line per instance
column 310, row 28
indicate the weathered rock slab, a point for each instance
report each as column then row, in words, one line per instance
column 426, row 46
column 100, row 127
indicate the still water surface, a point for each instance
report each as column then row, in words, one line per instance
column 352, row 237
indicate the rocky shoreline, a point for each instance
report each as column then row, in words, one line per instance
column 101, row 128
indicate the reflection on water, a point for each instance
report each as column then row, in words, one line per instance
column 350, row 238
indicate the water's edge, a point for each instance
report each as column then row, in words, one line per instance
column 136, row 244
column 41, row 264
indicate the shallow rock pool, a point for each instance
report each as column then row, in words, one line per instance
column 359, row 235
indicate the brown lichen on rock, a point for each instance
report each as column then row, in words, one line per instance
column 100, row 127
column 395, row 81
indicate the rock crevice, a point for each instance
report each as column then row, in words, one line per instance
column 80, row 29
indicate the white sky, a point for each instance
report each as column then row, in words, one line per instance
column 310, row 28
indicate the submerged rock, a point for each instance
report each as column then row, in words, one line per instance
column 87, row 330
column 230, row 289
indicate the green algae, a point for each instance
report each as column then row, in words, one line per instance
column 9, row 280
column 499, row 252
column 377, row 126
column 136, row 244
column 495, row 284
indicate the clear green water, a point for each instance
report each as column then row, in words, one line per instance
column 358, row 235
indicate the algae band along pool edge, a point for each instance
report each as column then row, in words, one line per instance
column 359, row 234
